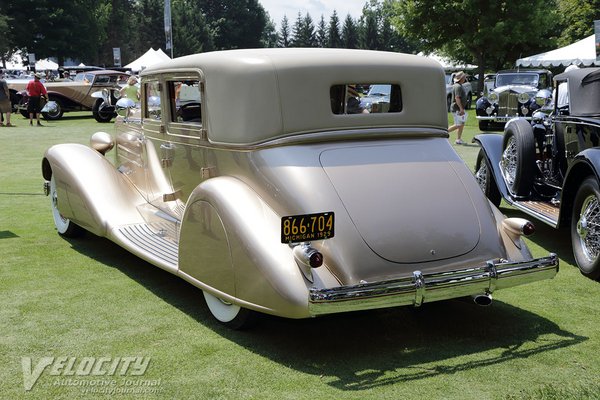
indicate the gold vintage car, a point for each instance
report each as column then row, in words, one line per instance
column 72, row 95
column 255, row 176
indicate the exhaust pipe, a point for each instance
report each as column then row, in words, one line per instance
column 483, row 299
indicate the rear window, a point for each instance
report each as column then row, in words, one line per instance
column 358, row 98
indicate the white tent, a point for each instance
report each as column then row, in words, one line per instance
column 45, row 64
column 446, row 63
column 151, row 57
column 581, row 53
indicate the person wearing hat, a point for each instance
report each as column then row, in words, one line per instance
column 131, row 90
column 36, row 90
column 5, row 106
column 459, row 100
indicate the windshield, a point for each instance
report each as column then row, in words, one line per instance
column 380, row 90
column 517, row 79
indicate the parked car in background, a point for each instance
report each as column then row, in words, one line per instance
column 376, row 98
column 75, row 95
column 549, row 167
column 514, row 95
column 467, row 86
column 270, row 203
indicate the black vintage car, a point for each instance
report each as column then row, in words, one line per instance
column 549, row 167
column 516, row 93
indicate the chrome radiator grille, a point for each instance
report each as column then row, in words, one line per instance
column 507, row 103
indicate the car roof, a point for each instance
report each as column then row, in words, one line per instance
column 584, row 91
column 289, row 88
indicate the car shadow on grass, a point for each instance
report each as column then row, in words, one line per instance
column 367, row 349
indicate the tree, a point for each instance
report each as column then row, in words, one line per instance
column 369, row 38
column 577, row 20
column 113, row 25
column 270, row 37
column 284, row 39
column 349, row 33
column 304, row 32
column 150, row 26
column 487, row 33
column 235, row 23
column 5, row 45
column 322, row 33
column 58, row 28
column 191, row 31
column 334, row 38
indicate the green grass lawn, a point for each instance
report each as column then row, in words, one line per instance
column 89, row 298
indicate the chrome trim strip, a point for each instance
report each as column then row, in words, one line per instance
column 500, row 118
column 423, row 288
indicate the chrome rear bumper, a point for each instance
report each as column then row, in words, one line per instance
column 426, row 288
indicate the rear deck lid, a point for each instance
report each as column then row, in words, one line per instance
column 406, row 200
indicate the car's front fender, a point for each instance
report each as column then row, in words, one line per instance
column 91, row 192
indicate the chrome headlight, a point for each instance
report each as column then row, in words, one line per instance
column 523, row 98
column 493, row 97
column 117, row 94
column 543, row 97
column 538, row 117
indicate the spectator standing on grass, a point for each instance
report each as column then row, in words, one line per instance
column 459, row 100
column 36, row 90
column 5, row 106
column 131, row 91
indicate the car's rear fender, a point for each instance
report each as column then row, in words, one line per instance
column 91, row 192
column 491, row 144
column 230, row 245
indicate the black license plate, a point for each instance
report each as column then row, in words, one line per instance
column 307, row 227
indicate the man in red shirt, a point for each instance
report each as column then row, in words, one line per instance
column 36, row 90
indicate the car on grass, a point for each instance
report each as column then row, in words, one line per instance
column 244, row 174
column 72, row 95
column 515, row 93
column 549, row 167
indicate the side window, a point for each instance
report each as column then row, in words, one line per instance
column 152, row 97
column 186, row 101
column 357, row 98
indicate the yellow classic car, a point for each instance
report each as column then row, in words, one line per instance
column 255, row 176
column 72, row 95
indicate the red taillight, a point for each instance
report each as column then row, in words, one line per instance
column 528, row 229
column 315, row 260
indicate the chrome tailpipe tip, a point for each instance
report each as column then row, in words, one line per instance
column 483, row 299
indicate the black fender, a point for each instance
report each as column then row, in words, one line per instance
column 491, row 144
column 586, row 163
column 93, row 193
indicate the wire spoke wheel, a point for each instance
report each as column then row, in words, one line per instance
column 588, row 228
column 585, row 228
column 509, row 161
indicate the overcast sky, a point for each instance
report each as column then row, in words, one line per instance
column 278, row 8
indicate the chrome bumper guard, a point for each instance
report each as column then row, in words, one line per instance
column 425, row 288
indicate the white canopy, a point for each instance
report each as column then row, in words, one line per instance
column 581, row 53
column 45, row 64
column 446, row 63
column 151, row 57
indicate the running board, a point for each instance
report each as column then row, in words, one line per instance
column 156, row 243
column 544, row 211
